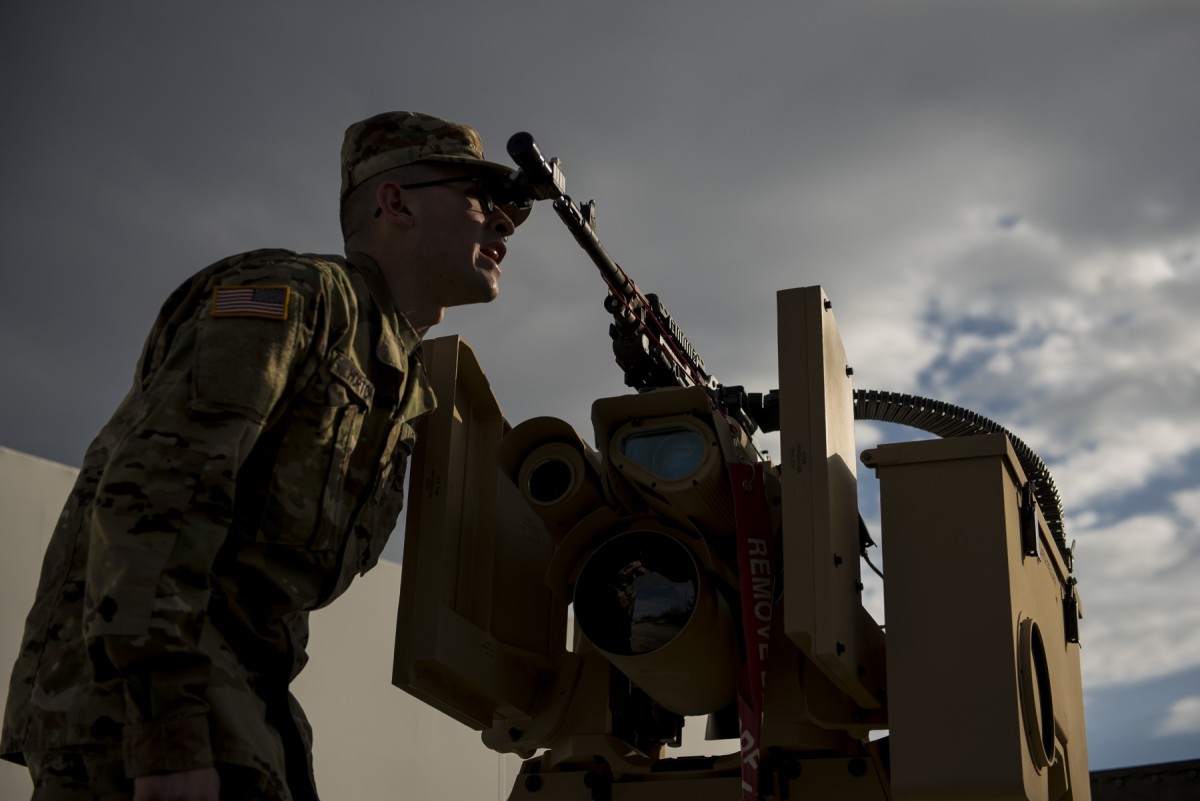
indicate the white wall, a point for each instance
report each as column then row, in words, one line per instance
column 372, row 740
column 32, row 492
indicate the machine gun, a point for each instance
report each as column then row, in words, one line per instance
column 653, row 351
column 649, row 345
column 706, row 581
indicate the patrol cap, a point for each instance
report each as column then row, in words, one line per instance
column 397, row 138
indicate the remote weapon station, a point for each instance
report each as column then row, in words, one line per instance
column 705, row 580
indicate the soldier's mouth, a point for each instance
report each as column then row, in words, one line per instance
column 494, row 251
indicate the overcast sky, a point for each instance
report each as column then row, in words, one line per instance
column 1001, row 198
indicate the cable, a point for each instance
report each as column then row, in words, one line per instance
column 947, row 420
column 872, row 564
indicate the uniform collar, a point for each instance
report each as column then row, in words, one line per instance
column 398, row 339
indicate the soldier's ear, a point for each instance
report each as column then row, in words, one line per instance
column 392, row 205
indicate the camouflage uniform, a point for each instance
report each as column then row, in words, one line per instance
column 254, row 469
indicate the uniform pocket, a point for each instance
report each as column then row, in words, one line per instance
column 387, row 499
column 306, row 504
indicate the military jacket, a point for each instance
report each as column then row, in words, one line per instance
column 254, row 469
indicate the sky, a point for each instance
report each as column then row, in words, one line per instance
column 1002, row 200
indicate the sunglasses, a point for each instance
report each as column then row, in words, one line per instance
column 480, row 192
column 485, row 191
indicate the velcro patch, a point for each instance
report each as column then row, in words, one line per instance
column 267, row 302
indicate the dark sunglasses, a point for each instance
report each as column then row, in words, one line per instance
column 480, row 192
column 485, row 191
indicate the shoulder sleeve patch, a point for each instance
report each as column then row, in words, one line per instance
column 263, row 302
column 244, row 358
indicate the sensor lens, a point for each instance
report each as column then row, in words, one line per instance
column 549, row 480
column 636, row 593
column 668, row 453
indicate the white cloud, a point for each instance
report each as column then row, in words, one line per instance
column 1187, row 503
column 1141, row 604
column 1114, row 460
column 1090, row 356
column 1182, row 718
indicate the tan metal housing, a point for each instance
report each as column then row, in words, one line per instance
column 974, row 691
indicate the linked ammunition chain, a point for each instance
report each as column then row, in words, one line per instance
column 947, row 420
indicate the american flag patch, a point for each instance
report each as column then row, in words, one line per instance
column 270, row 302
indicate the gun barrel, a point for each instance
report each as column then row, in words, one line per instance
column 546, row 182
column 586, row 236
column 648, row 342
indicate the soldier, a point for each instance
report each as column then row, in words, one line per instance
column 256, row 466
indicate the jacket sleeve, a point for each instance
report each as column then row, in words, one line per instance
column 212, row 372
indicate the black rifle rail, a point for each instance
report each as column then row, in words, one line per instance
column 947, row 420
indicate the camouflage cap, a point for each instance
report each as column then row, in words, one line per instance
column 396, row 138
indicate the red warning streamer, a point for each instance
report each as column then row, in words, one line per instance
column 756, row 584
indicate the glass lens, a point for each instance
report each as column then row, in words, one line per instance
column 669, row 453
column 636, row 593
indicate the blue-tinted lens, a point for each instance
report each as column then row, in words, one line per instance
column 670, row 454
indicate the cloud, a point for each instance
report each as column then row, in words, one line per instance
column 1001, row 201
column 1182, row 718
column 1141, row 605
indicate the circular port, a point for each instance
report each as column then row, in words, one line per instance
column 636, row 593
column 1037, row 700
column 549, row 480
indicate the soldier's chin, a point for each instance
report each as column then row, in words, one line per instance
column 484, row 296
